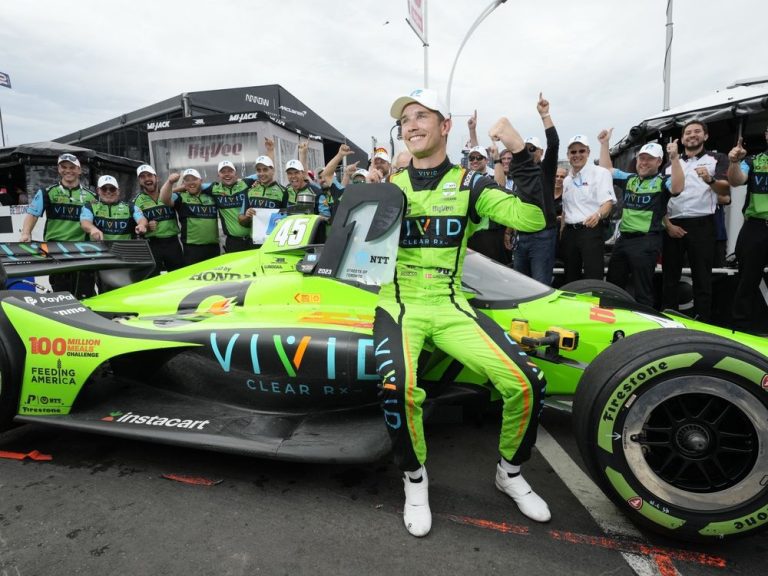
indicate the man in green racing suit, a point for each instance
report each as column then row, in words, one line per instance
column 445, row 203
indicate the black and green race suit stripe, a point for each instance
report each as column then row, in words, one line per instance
column 62, row 207
column 425, row 302
column 229, row 201
column 114, row 220
column 199, row 218
column 165, row 216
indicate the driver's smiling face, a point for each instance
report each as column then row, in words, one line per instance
column 423, row 130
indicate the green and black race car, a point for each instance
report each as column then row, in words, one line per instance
column 269, row 353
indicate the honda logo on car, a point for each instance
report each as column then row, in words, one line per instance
column 131, row 418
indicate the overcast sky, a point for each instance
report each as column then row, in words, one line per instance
column 599, row 62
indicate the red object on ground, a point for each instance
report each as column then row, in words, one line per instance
column 195, row 480
column 33, row 455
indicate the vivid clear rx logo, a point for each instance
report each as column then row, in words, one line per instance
column 432, row 231
column 291, row 364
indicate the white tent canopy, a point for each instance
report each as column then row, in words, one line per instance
column 738, row 102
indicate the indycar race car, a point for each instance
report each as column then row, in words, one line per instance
column 269, row 353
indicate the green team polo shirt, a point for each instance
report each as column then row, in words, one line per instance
column 114, row 220
column 165, row 216
column 229, row 201
column 270, row 196
column 645, row 202
column 756, row 202
column 62, row 207
column 199, row 218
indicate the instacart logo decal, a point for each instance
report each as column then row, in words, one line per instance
column 131, row 418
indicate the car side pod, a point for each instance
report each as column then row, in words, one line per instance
column 673, row 425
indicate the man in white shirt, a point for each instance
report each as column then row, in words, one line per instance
column 588, row 198
column 690, row 222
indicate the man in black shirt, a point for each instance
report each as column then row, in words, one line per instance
column 535, row 251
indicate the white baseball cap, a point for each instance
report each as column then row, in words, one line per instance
column 68, row 158
column 579, row 139
column 652, row 148
column 425, row 96
column 536, row 142
column 480, row 150
column 294, row 165
column 361, row 172
column 145, row 168
column 107, row 180
column 265, row 161
column 226, row 164
column 191, row 172
column 383, row 155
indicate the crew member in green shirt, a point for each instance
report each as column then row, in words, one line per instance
column 197, row 214
column 111, row 218
column 229, row 193
column 162, row 225
column 265, row 193
column 61, row 204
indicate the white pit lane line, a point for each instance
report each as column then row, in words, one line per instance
column 603, row 512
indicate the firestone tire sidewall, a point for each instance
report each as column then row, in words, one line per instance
column 624, row 388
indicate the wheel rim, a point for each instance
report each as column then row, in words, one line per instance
column 698, row 442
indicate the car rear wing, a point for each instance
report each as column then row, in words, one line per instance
column 131, row 259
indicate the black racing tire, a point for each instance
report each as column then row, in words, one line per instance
column 599, row 288
column 11, row 362
column 672, row 424
column 9, row 392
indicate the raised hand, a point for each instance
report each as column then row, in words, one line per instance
column 504, row 132
column 672, row 149
column 472, row 122
column 738, row 152
column 604, row 137
column 542, row 105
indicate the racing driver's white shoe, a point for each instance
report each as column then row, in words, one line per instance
column 529, row 503
column 416, row 513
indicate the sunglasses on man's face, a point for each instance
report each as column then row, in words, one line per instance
column 108, row 189
column 475, row 158
column 575, row 152
column 531, row 149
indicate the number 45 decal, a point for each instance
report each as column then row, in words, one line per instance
column 291, row 232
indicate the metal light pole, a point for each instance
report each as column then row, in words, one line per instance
column 418, row 12
column 485, row 13
column 668, row 56
column 2, row 129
